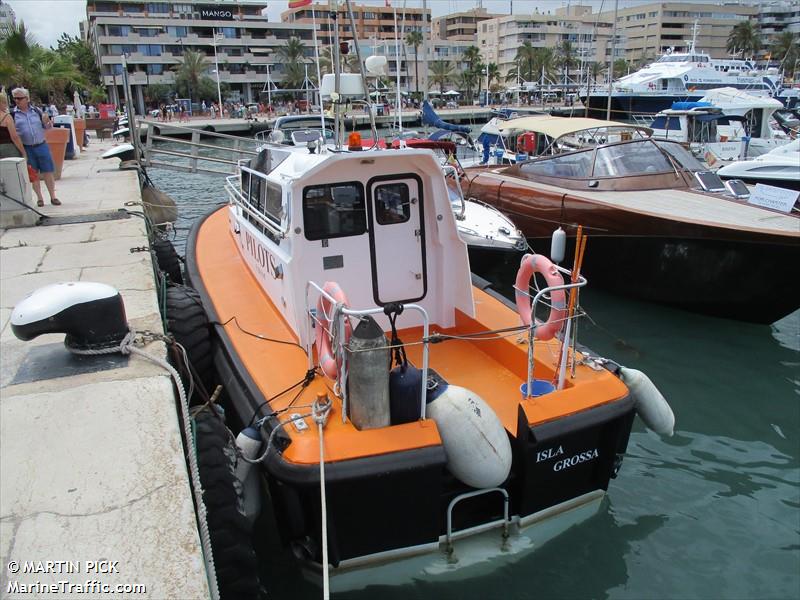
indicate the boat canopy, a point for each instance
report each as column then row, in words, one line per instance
column 556, row 127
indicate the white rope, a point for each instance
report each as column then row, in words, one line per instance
column 127, row 347
column 320, row 412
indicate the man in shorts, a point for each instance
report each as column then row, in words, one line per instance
column 31, row 123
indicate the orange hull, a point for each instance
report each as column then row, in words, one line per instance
column 373, row 462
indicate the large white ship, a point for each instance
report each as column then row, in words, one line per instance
column 678, row 76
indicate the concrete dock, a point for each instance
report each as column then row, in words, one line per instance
column 94, row 489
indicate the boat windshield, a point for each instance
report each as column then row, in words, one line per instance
column 673, row 58
column 682, row 156
column 638, row 157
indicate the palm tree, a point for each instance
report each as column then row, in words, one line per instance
column 784, row 49
column 545, row 63
column 349, row 63
column 621, row 67
column 565, row 58
column 50, row 73
column 472, row 56
column 526, row 55
column 414, row 38
column 441, row 73
column 745, row 38
column 492, row 74
column 191, row 70
column 466, row 81
column 596, row 69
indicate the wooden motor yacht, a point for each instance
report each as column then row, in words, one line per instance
column 662, row 228
column 321, row 266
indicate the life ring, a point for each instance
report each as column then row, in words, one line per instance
column 325, row 354
column 536, row 263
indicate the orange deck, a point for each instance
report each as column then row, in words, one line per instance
column 492, row 369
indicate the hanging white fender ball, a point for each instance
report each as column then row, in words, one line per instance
column 558, row 246
column 651, row 406
column 474, row 439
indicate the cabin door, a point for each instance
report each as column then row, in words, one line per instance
column 397, row 238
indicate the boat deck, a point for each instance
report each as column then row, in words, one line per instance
column 683, row 205
column 493, row 369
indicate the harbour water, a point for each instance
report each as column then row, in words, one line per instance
column 713, row 512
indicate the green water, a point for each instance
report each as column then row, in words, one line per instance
column 713, row 512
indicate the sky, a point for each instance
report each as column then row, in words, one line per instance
column 48, row 19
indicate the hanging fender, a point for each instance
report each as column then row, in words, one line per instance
column 536, row 263
column 325, row 353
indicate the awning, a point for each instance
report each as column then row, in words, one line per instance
column 556, row 127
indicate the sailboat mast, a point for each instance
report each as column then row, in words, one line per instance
column 611, row 61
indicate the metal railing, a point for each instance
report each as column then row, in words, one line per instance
column 236, row 148
column 532, row 329
column 340, row 354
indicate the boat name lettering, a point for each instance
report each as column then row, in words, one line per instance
column 262, row 256
column 549, row 453
column 575, row 460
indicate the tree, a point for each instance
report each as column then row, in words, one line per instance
column 159, row 92
column 544, row 61
column 441, row 73
column 349, row 62
column 596, row 69
column 414, row 38
column 784, row 49
column 525, row 59
column 744, row 38
column 492, row 74
column 50, row 76
column 621, row 67
column 80, row 54
column 565, row 58
column 190, row 71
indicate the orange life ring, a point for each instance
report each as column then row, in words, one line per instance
column 325, row 354
column 536, row 263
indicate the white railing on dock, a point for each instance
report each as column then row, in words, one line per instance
column 239, row 147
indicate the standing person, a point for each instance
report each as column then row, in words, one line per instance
column 10, row 144
column 31, row 123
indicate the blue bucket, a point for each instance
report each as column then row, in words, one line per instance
column 540, row 387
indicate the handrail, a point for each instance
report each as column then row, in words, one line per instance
column 466, row 495
column 232, row 183
column 582, row 281
column 339, row 351
column 448, row 169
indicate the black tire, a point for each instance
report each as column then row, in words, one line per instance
column 188, row 323
column 231, row 535
column 168, row 260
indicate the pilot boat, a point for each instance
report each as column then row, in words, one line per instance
column 321, row 265
column 663, row 228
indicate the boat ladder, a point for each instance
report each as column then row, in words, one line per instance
column 505, row 522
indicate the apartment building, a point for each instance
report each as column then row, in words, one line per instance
column 7, row 19
column 499, row 38
column 650, row 30
column 235, row 34
column 776, row 17
column 372, row 22
column 460, row 26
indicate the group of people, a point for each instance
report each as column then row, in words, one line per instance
column 22, row 136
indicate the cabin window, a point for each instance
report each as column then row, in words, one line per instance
column 392, row 204
column 673, row 124
column 335, row 210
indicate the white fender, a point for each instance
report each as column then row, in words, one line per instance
column 475, row 441
column 651, row 406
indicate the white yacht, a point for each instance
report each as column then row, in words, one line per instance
column 781, row 168
column 676, row 77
